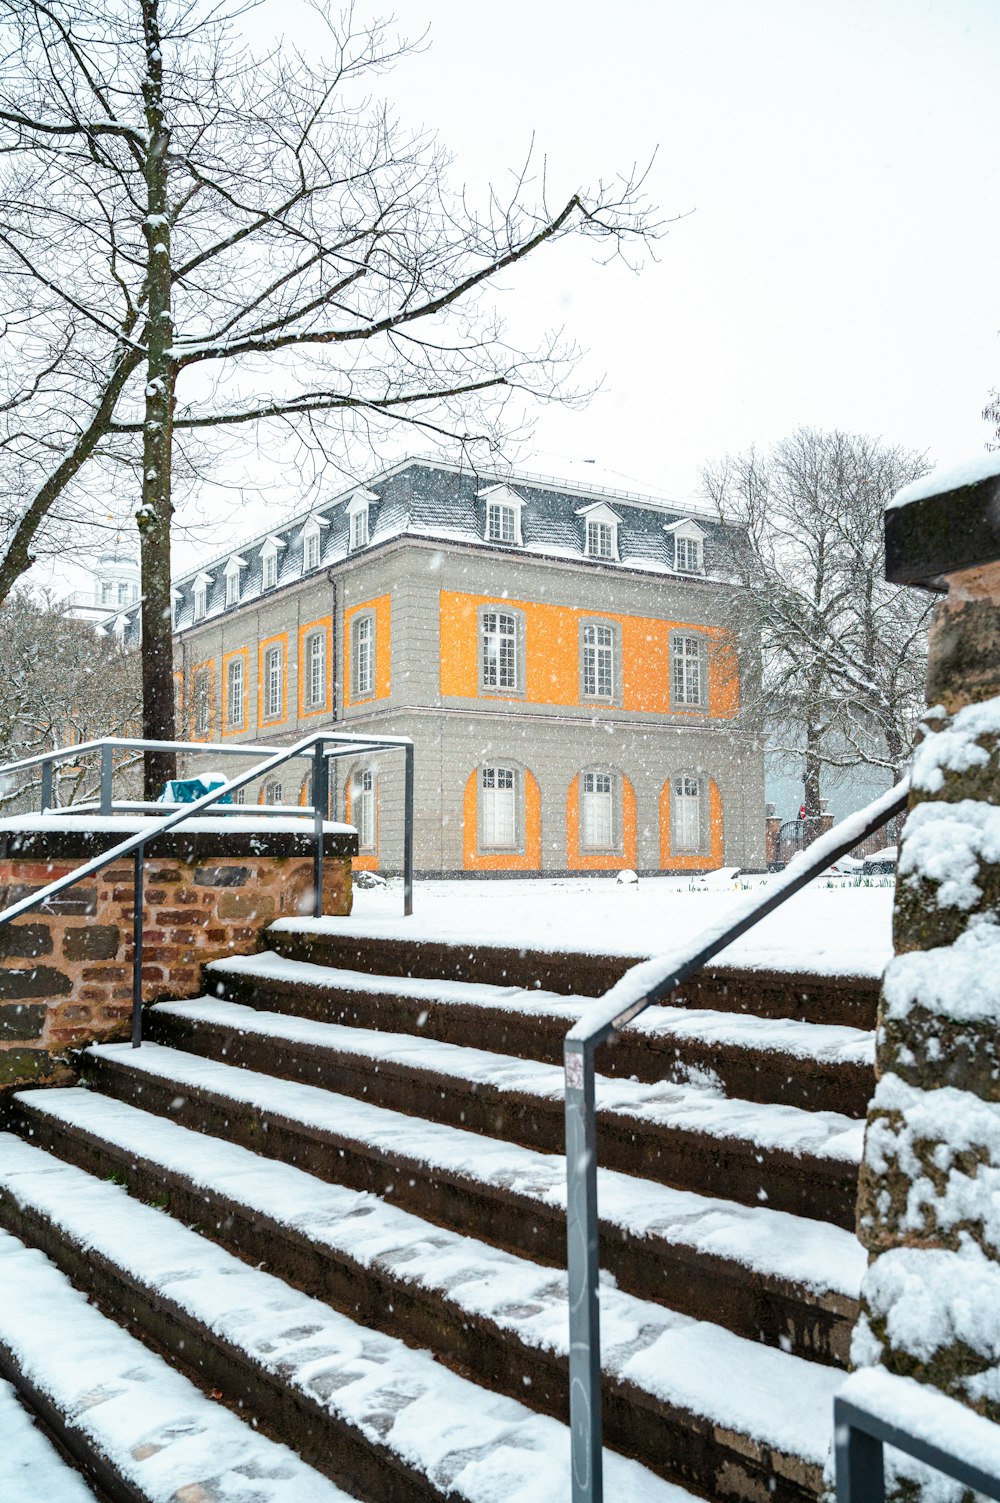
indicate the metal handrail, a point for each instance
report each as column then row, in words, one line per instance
column 643, row 985
column 312, row 746
column 861, row 1432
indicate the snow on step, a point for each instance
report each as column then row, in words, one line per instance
column 478, row 1444
column 155, row 1426
column 816, row 1255
column 666, row 1104
column 829, row 1043
column 31, row 1468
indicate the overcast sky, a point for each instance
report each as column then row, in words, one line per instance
column 832, row 164
column 837, row 164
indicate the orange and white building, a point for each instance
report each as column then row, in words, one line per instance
column 558, row 655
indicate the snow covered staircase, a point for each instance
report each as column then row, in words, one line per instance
column 353, row 1233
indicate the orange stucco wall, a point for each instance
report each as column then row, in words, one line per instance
column 552, row 655
column 578, row 861
column 692, row 863
column 530, row 860
column 382, row 609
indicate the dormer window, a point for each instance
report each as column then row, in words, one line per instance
column 269, row 562
column 357, row 514
column 600, row 540
column 201, row 585
column 175, row 607
column 312, row 536
column 600, row 531
column 233, row 587
column 503, row 516
column 359, row 529
column 689, row 547
column 501, row 523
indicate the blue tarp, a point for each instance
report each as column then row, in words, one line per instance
column 187, row 790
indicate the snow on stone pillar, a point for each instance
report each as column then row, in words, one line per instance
column 929, row 1204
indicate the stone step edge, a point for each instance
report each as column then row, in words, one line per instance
column 623, row 1102
column 478, row 1333
column 49, row 1328
column 295, row 1365
column 479, row 958
column 625, row 1202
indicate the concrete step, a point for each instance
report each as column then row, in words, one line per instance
column 359, row 1404
column 814, row 1066
column 689, row 1136
column 781, row 1278
column 140, row 1431
column 841, row 1000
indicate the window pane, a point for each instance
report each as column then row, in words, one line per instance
column 598, row 661
column 597, row 810
column 273, row 672
column 687, row 834
column 311, row 560
column 315, row 669
column 498, row 807
column 499, row 650
column 234, row 692
column 687, row 671
column 365, row 818
column 363, row 656
column 359, row 529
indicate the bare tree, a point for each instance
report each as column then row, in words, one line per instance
column 840, row 654
column 61, row 683
column 214, row 240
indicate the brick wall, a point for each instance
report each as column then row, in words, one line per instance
column 66, row 969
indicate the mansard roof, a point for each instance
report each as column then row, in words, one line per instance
column 429, row 500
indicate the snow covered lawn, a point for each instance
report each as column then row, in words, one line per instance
column 832, row 927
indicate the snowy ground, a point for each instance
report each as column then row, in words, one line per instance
column 831, row 927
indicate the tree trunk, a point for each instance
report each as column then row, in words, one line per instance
column 813, row 768
column 154, row 515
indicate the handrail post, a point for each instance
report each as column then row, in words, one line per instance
column 408, row 830
column 583, row 1273
column 860, row 1463
column 107, row 776
column 320, row 798
column 46, row 794
column 138, row 903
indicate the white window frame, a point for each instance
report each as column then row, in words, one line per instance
column 201, row 696
column 688, row 815
column 598, row 669
column 501, row 523
column 359, row 529
column 597, row 822
column 107, row 592
column 273, row 791
column 235, row 692
column 688, row 671
column 199, row 609
column 269, row 571
column 600, row 539
column 232, row 587
column 499, row 651
column 498, row 821
column 689, row 547
column 315, row 669
column 274, row 681
column 503, row 516
column 363, row 656
column 364, row 809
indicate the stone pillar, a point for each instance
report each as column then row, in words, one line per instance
column 929, row 1204
column 210, row 891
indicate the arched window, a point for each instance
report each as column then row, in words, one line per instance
column 363, row 811
column 688, row 815
column 498, row 808
column 363, row 656
column 598, row 822
column 272, row 791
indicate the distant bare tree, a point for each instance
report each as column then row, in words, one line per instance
column 60, row 684
column 842, row 654
column 195, row 239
